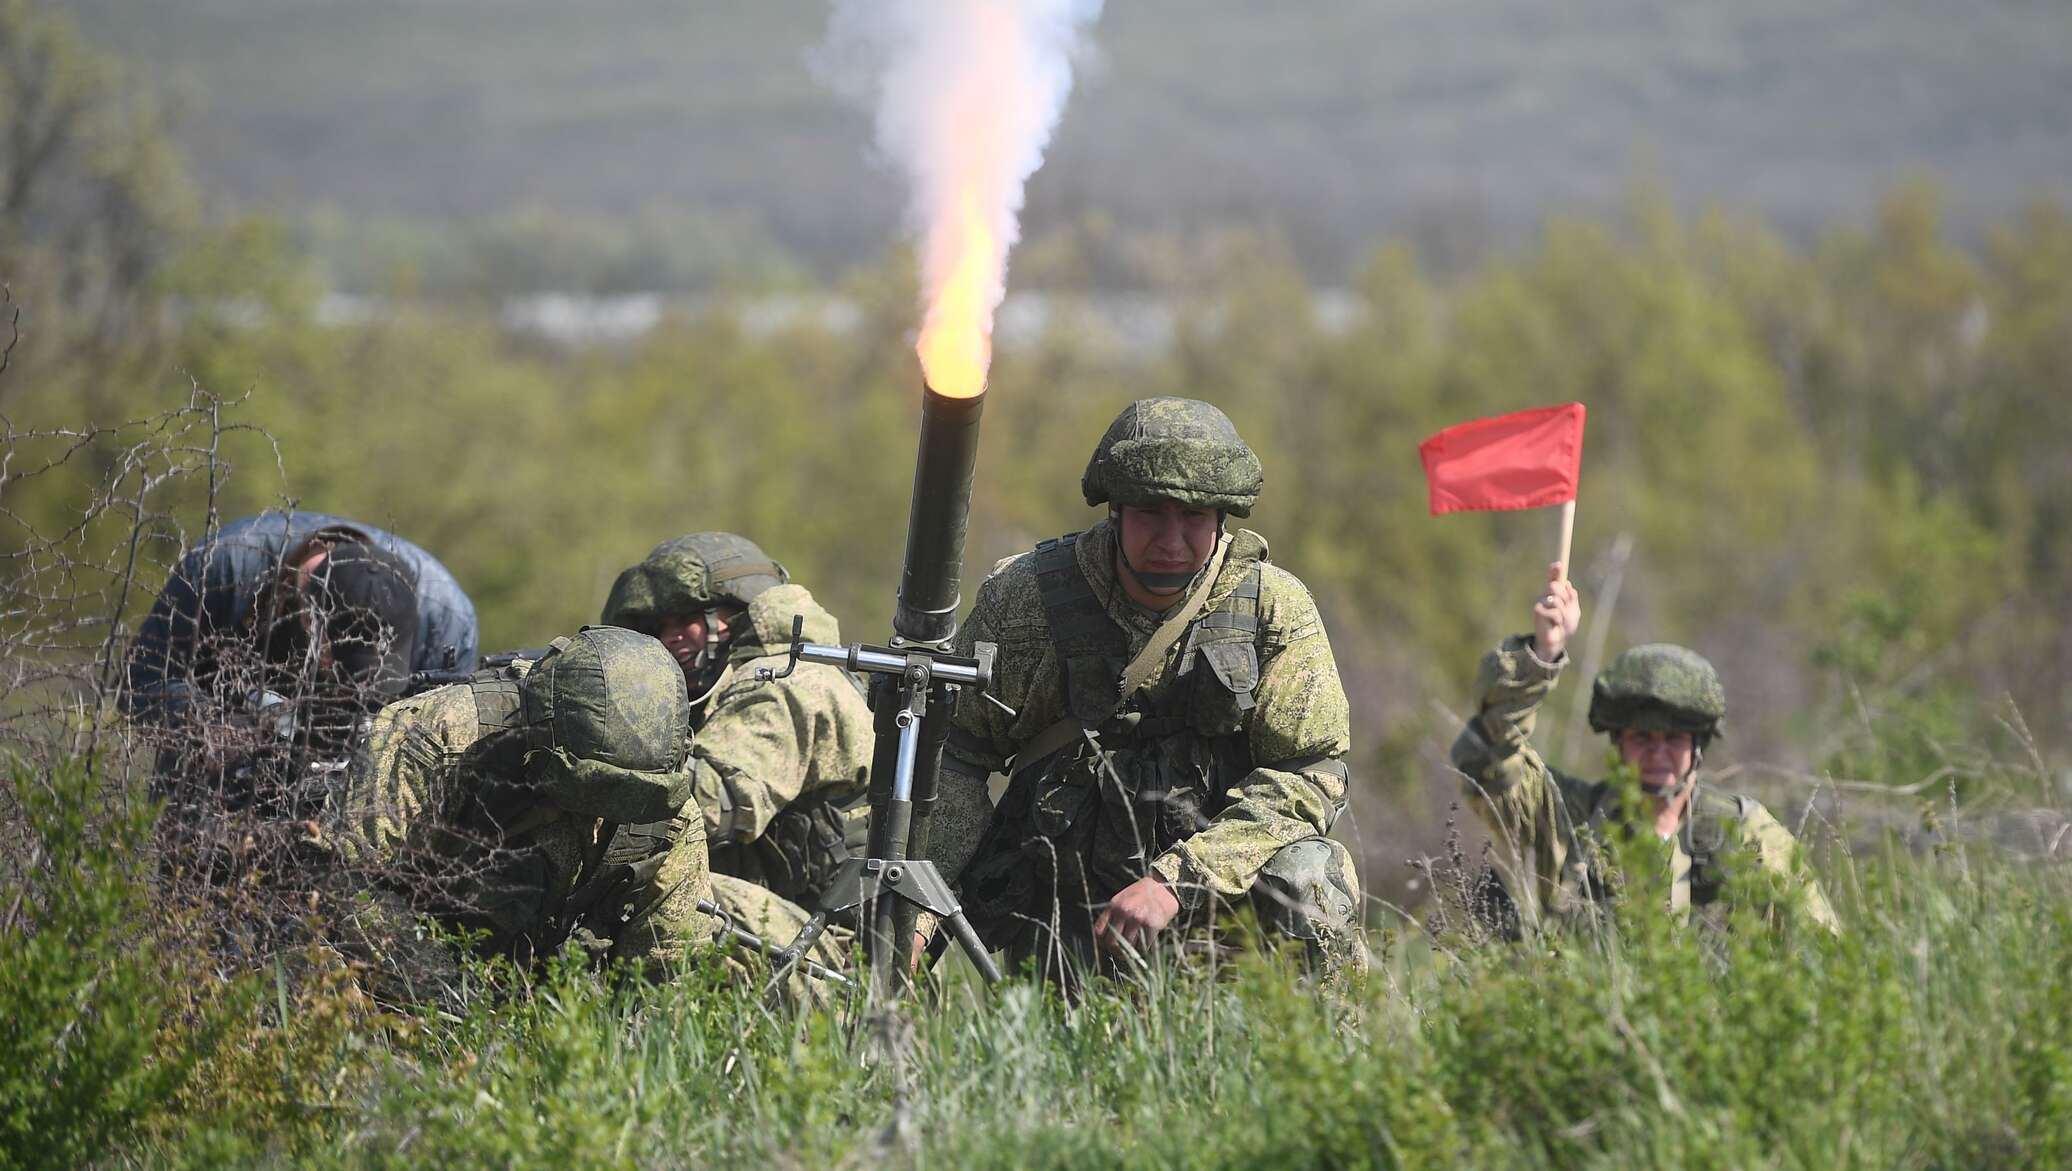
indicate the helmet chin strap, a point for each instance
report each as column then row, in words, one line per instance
column 1158, row 583
column 705, row 666
column 1683, row 783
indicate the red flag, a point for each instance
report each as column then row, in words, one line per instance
column 1529, row 459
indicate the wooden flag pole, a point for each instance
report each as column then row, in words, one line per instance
column 1568, row 533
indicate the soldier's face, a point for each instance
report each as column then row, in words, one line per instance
column 1168, row 537
column 684, row 635
column 1661, row 758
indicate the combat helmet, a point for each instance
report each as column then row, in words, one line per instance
column 606, row 721
column 1177, row 449
column 1659, row 687
column 688, row 575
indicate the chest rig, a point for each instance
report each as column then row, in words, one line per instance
column 1706, row 835
column 1092, row 652
column 1087, row 819
column 802, row 848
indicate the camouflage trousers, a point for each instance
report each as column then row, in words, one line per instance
column 1307, row 891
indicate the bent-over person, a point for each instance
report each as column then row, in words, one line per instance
column 271, row 644
column 540, row 805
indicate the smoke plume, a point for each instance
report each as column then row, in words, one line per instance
column 966, row 94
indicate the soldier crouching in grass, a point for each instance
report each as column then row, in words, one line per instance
column 272, row 642
column 780, row 767
column 537, row 806
column 1178, row 730
column 1662, row 705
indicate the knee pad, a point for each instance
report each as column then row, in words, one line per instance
column 1308, row 890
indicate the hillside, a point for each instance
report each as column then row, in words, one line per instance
column 1336, row 122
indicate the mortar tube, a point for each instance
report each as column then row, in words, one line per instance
column 937, row 518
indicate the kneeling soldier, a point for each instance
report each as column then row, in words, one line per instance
column 780, row 768
column 1178, row 727
column 1662, row 705
column 540, row 804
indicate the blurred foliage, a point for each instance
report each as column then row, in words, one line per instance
column 103, row 1023
column 1841, row 466
column 1448, row 121
column 1933, row 1033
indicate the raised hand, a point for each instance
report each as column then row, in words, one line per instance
column 1556, row 614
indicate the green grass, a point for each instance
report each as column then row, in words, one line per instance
column 1935, row 1032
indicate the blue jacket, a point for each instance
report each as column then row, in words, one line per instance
column 217, row 583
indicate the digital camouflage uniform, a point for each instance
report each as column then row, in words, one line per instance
column 538, row 804
column 780, row 767
column 1222, row 774
column 1549, row 825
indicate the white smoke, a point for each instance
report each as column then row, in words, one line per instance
column 965, row 94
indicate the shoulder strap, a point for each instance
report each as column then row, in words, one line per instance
column 1140, row 669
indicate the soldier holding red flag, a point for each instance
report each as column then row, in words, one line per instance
column 1661, row 704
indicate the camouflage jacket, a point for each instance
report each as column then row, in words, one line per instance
column 781, row 767
column 1546, row 821
column 436, row 806
column 1291, row 782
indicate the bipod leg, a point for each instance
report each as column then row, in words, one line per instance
column 793, row 953
column 919, row 884
column 768, row 950
column 975, row 951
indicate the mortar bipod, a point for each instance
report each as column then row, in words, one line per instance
column 913, row 693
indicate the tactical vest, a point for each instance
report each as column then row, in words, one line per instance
column 801, row 848
column 1706, row 836
column 534, row 874
column 1087, row 820
column 1706, row 833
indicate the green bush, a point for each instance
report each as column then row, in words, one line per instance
column 99, row 1032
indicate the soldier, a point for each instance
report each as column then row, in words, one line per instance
column 1178, row 727
column 539, row 804
column 1662, row 705
column 780, row 768
column 283, row 630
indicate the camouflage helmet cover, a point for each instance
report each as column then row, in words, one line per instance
column 690, row 574
column 1178, row 449
column 1659, row 687
column 608, row 695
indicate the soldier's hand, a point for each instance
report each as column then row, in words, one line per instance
column 1136, row 915
column 1556, row 615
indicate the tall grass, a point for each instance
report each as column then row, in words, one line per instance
column 1935, row 1031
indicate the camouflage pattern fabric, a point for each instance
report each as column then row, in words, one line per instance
column 1298, row 721
column 1659, row 687
column 780, row 768
column 455, row 804
column 1174, row 449
column 687, row 574
column 1546, row 820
